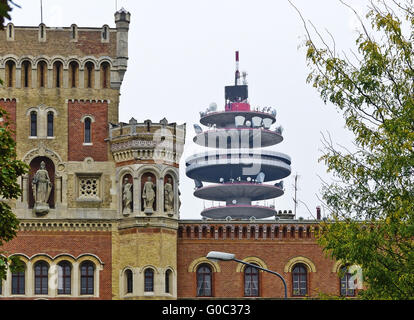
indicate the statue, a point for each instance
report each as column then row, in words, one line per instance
column 148, row 195
column 127, row 197
column 42, row 187
column 168, row 196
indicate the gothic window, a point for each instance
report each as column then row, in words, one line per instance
column 89, row 188
column 18, row 282
column 50, row 124
column 42, row 32
column 149, row 280
column 129, row 281
column 105, row 34
column 64, row 277
column 204, row 281
column 346, row 289
column 10, row 31
column 87, row 270
column 33, row 124
column 41, row 270
column 87, row 133
column 74, row 32
column 300, row 280
column 251, row 282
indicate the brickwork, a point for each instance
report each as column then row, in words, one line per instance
column 98, row 112
column 9, row 105
column 58, row 42
column 54, row 243
column 275, row 252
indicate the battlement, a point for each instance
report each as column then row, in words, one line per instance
column 65, row 57
column 147, row 141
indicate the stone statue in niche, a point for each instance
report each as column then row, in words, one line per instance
column 126, row 197
column 42, row 187
column 168, row 196
column 148, row 195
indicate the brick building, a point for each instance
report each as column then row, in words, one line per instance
column 108, row 226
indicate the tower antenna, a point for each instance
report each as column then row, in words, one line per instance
column 295, row 186
column 41, row 11
column 237, row 74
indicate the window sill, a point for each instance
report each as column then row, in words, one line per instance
column 32, row 137
column 88, row 200
column 149, row 293
column 51, row 137
column 87, row 144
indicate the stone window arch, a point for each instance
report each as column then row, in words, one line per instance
column 105, row 33
column 41, row 277
column 89, row 73
column 149, row 280
column 73, row 74
column 87, row 278
column 300, row 280
column 42, row 74
column 57, row 74
column 64, row 277
column 129, row 281
column 10, row 32
column 105, row 70
column 204, row 277
column 10, row 80
column 26, row 74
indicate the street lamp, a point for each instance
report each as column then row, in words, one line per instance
column 224, row 256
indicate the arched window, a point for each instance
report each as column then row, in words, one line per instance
column 57, row 74
column 300, row 233
column 87, row 269
column 346, row 289
column 228, row 232
column 105, row 75
column 18, row 282
column 299, row 280
column 64, row 277
column 10, row 69
column 292, row 232
column 73, row 74
column 251, row 282
column 204, row 281
column 149, row 280
column 87, row 138
column 41, row 74
column 41, row 270
column 168, row 280
column 89, row 76
column 26, row 74
column 50, row 124
column 33, row 124
column 129, row 281
column 105, row 35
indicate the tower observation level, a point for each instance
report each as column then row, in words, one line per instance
column 236, row 167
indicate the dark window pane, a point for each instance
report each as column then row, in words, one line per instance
column 50, row 124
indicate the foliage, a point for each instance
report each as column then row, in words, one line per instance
column 10, row 170
column 372, row 204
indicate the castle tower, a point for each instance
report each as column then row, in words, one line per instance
column 61, row 89
column 146, row 158
column 238, row 168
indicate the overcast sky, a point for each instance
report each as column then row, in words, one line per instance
column 181, row 55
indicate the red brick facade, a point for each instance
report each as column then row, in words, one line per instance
column 53, row 243
column 275, row 249
column 9, row 105
column 98, row 112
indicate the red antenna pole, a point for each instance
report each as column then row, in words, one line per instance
column 237, row 75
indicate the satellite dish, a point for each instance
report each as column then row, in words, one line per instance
column 212, row 107
column 277, row 218
column 279, row 184
column 279, row 130
column 234, row 201
column 221, row 180
column 252, row 218
column 249, row 179
column 202, row 114
column 267, row 122
column 239, row 121
column 248, row 123
column 260, row 177
column 228, row 218
column 257, row 122
column 197, row 129
column 274, row 112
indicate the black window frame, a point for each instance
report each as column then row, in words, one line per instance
column 204, row 274
column 87, row 278
column 65, row 277
column 41, row 278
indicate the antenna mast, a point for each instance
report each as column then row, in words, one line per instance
column 295, row 200
column 41, row 11
column 237, row 74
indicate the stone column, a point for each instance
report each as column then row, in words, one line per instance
column 18, row 81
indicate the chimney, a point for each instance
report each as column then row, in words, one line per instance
column 318, row 213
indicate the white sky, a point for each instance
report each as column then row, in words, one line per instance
column 181, row 55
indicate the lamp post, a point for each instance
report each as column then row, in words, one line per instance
column 224, row 256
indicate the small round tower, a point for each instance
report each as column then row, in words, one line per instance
column 236, row 167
